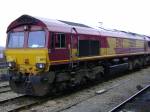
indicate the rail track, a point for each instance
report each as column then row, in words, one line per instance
column 77, row 100
column 18, row 103
column 21, row 102
column 5, row 88
column 4, row 83
column 61, row 103
column 24, row 102
column 68, row 100
column 139, row 102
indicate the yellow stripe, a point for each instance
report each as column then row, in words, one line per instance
column 100, row 57
column 59, row 61
column 110, row 56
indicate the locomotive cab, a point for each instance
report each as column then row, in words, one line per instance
column 27, row 56
column 23, row 55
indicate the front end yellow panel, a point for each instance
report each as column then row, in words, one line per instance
column 26, row 59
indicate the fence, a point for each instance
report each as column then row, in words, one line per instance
column 3, row 71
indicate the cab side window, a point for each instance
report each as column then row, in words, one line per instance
column 60, row 40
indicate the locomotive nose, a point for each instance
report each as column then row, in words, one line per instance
column 29, row 71
column 30, row 85
column 27, row 60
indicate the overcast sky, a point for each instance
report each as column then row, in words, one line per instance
column 128, row 15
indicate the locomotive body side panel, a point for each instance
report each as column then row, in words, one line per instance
column 124, row 46
column 60, row 47
column 104, row 45
column 112, row 46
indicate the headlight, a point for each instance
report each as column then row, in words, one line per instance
column 40, row 65
column 11, row 64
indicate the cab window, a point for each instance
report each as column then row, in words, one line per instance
column 58, row 40
column 36, row 39
column 16, row 40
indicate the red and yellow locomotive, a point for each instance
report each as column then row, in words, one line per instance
column 44, row 54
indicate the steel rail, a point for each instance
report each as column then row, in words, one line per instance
column 115, row 109
column 4, row 89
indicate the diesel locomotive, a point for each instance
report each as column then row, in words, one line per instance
column 45, row 55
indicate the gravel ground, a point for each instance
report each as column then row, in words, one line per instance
column 86, row 100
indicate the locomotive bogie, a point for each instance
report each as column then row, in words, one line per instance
column 31, row 85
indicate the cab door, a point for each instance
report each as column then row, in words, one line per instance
column 60, row 43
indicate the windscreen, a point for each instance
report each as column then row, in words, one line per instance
column 36, row 39
column 16, row 40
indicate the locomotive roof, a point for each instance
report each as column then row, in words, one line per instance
column 66, row 26
column 121, row 34
column 74, row 24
